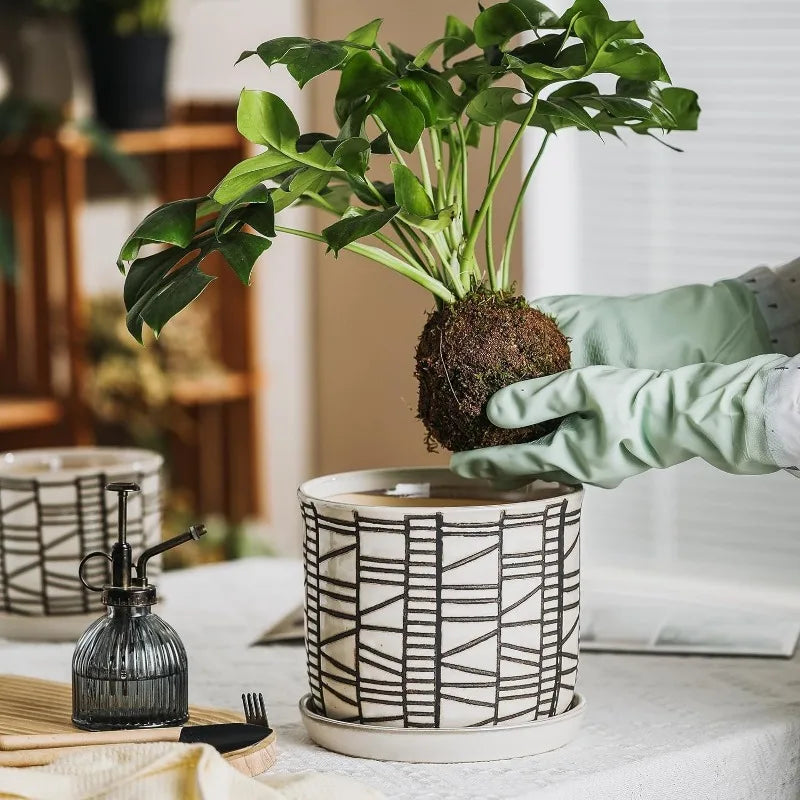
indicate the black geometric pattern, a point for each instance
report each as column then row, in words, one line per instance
column 47, row 527
column 449, row 623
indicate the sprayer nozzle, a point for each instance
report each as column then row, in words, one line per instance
column 123, row 486
column 197, row 531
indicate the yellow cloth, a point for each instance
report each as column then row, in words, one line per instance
column 166, row 771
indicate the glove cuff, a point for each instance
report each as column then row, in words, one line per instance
column 777, row 294
column 782, row 414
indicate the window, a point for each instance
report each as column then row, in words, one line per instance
column 608, row 218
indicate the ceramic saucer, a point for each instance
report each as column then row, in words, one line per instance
column 443, row 745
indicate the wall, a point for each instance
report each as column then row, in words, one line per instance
column 368, row 319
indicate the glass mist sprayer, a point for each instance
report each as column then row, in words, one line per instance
column 129, row 669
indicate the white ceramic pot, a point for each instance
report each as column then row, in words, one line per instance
column 54, row 509
column 433, row 601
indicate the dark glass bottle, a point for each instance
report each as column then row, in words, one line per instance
column 129, row 669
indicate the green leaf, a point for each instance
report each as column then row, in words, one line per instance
column 380, row 144
column 499, row 23
column 537, row 14
column 425, row 55
column 566, row 112
column 304, row 58
column 273, row 51
column 180, row 289
column 618, row 108
column 597, row 32
column 146, row 273
column 410, row 193
column 472, row 134
column 254, row 208
column 682, row 109
column 351, row 228
column 171, row 223
column 434, row 223
column 458, row 37
column 258, row 195
column 361, row 76
column 544, row 50
column 352, row 155
column 635, row 61
column 263, row 118
column 402, row 59
column 401, row 117
column 495, row 104
column 306, row 63
column 590, row 7
column 336, row 198
column 251, row 172
column 432, row 95
column 306, row 180
column 366, row 35
column 608, row 49
column 241, row 252
column 570, row 65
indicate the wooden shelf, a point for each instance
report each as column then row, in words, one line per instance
column 210, row 136
column 43, row 188
column 177, row 138
column 29, row 412
column 214, row 389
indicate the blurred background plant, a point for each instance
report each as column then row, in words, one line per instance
column 129, row 390
column 123, row 17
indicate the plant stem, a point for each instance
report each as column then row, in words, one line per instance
column 404, row 254
column 464, row 179
column 441, row 188
column 489, row 239
column 420, row 260
column 425, row 261
column 433, row 285
column 436, row 151
column 423, row 164
column 505, row 265
column 468, row 254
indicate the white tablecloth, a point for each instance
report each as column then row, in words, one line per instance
column 656, row 728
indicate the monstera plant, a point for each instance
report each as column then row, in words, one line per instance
column 519, row 65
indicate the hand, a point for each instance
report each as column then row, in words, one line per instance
column 621, row 422
column 666, row 330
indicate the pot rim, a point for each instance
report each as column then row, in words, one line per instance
column 110, row 460
column 311, row 489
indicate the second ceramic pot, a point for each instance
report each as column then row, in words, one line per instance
column 54, row 509
column 433, row 601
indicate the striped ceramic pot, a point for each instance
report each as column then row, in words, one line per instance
column 54, row 510
column 433, row 601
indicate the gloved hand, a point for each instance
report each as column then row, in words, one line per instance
column 620, row 422
column 666, row 330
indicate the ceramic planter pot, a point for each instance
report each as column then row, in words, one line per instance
column 433, row 601
column 54, row 509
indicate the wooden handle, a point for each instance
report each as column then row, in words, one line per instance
column 36, row 741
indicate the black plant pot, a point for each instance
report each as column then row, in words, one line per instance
column 128, row 76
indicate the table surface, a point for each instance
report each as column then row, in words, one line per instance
column 659, row 727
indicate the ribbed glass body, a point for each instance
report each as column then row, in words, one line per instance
column 129, row 670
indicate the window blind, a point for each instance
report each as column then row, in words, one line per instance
column 609, row 218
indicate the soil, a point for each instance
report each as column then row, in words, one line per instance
column 469, row 350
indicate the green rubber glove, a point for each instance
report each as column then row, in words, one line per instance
column 620, row 422
column 666, row 330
